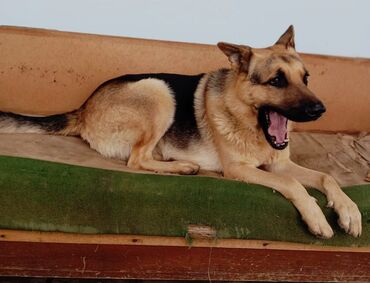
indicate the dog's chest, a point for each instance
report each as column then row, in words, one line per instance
column 264, row 155
column 250, row 148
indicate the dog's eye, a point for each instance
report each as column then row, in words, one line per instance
column 305, row 78
column 279, row 81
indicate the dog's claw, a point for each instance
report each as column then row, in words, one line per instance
column 330, row 204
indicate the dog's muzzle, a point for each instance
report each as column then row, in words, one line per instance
column 304, row 111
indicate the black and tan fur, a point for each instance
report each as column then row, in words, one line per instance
column 220, row 121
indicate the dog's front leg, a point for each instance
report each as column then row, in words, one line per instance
column 290, row 188
column 349, row 215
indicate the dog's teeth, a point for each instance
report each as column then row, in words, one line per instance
column 286, row 140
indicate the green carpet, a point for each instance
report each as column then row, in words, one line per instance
column 47, row 196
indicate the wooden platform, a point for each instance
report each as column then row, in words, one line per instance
column 126, row 257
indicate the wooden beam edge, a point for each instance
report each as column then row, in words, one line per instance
column 111, row 239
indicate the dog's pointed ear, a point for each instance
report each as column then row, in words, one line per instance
column 287, row 39
column 239, row 55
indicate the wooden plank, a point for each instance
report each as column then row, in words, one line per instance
column 102, row 239
column 171, row 262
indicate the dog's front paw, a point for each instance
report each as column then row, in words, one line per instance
column 320, row 229
column 317, row 223
column 315, row 219
column 348, row 212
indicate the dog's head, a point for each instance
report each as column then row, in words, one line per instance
column 273, row 82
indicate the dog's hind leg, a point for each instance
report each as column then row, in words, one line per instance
column 155, row 117
column 349, row 214
column 142, row 158
column 127, row 122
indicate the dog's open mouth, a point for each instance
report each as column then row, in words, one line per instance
column 275, row 127
column 274, row 120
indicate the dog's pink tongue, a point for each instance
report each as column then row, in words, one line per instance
column 278, row 126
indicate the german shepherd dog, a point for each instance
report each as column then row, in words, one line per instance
column 234, row 121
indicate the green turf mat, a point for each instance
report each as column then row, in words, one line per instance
column 47, row 196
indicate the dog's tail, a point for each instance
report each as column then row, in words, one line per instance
column 61, row 124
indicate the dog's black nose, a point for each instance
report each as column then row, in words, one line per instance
column 315, row 109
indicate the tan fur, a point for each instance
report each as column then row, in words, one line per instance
column 128, row 121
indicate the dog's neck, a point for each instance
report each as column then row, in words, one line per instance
column 236, row 122
column 244, row 116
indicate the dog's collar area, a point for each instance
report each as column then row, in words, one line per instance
column 275, row 128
